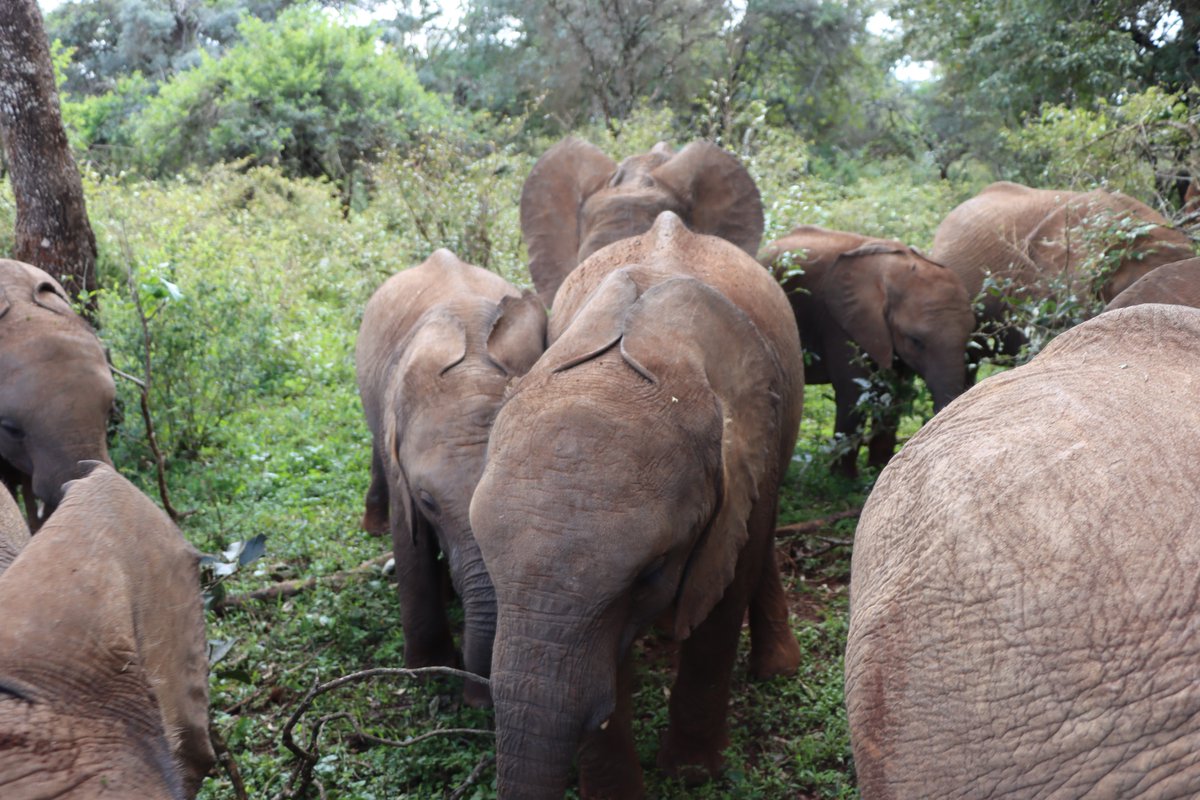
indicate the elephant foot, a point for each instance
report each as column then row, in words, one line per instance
column 476, row 694
column 781, row 656
column 693, row 760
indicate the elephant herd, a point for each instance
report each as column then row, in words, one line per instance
column 1023, row 607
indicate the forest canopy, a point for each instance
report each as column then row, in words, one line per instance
column 972, row 87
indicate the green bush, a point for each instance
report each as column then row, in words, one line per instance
column 305, row 92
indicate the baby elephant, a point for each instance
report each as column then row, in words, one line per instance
column 855, row 295
column 1026, row 580
column 56, row 389
column 103, row 664
column 632, row 478
column 438, row 346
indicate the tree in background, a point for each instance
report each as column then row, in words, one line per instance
column 52, row 229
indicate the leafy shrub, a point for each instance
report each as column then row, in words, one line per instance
column 304, row 92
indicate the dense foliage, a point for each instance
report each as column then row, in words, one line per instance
column 255, row 168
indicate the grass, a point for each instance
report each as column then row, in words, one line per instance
column 253, row 286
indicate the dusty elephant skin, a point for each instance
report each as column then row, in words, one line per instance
column 879, row 296
column 438, row 346
column 14, row 533
column 103, row 660
column 1174, row 284
column 632, row 477
column 1029, row 236
column 1023, row 599
column 56, row 389
column 577, row 200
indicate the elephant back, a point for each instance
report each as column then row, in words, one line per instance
column 1011, row 610
column 1177, row 283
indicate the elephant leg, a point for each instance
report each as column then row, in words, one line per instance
column 884, row 426
column 375, row 517
column 421, row 585
column 848, row 421
column 773, row 647
column 608, row 762
column 699, row 709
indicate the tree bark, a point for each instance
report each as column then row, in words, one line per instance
column 52, row 229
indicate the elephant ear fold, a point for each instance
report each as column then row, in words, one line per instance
column 5, row 303
column 854, row 293
column 49, row 294
column 722, row 198
column 518, row 336
column 682, row 329
column 551, row 201
column 598, row 324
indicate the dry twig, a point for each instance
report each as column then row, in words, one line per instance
column 302, row 773
column 814, row 525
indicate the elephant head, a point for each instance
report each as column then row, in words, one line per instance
column 103, row 658
column 14, row 533
column 893, row 302
column 438, row 347
column 577, row 200
column 56, row 388
column 627, row 479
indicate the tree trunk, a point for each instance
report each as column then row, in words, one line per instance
column 52, row 228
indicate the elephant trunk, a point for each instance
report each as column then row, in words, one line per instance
column 946, row 383
column 548, row 692
column 474, row 588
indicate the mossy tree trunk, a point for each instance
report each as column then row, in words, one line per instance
column 52, row 229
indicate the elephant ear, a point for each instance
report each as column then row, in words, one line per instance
column 551, row 201
column 5, row 304
column 518, row 336
column 598, row 325
column 854, row 292
column 438, row 343
column 50, row 294
column 681, row 330
column 721, row 196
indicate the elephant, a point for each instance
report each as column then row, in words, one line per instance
column 438, row 346
column 56, row 389
column 1032, row 237
column 103, row 657
column 1024, row 583
column 1175, row 284
column 577, row 200
column 14, row 533
column 881, row 297
column 632, row 477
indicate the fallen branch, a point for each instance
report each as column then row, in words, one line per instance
column 226, row 760
column 290, row 588
column 302, row 773
column 814, row 525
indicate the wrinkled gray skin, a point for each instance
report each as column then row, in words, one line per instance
column 1032, row 235
column 632, row 477
column 56, row 389
column 880, row 297
column 438, row 346
column 103, row 658
column 1026, row 576
column 577, row 200
column 14, row 533
column 1174, row 284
